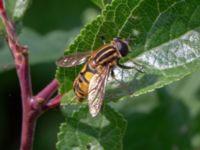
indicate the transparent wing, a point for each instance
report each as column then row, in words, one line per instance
column 97, row 91
column 73, row 60
column 127, row 81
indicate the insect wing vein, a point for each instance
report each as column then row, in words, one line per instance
column 73, row 60
column 97, row 91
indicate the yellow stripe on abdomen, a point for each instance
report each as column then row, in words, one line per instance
column 81, row 84
column 88, row 76
column 83, row 87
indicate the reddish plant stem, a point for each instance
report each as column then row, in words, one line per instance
column 20, row 55
column 54, row 102
column 28, row 129
column 1, row 5
column 42, row 98
column 45, row 93
column 32, row 106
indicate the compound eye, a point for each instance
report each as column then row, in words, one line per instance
column 123, row 48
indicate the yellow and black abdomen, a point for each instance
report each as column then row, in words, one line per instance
column 106, row 55
column 81, row 83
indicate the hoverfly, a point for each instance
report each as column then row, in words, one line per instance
column 91, row 81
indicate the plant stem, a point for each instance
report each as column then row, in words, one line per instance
column 54, row 102
column 32, row 105
column 28, row 129
column 45, row 93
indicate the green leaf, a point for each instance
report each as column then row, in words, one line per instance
column 168, row 115
column 39, row 46
column 16, row 10
column 100, row 3
column 167, row 126
column 20, row 8
column 166, row 42
column 82, row 132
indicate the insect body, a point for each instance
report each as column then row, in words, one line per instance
column 91, row 81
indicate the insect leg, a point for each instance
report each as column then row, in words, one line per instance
column 137, row 67
column 112, row 73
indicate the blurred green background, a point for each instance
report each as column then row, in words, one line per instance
column 164, row 119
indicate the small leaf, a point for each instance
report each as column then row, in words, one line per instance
column 82, row 132
column 20, row 8
column 15, row 10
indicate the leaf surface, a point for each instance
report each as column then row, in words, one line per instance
column 164, row 39
column 101, row 3
column 15, row 10
column 82, row 132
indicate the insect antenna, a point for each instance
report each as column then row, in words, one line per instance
column 129, row 39
column 138, row 67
